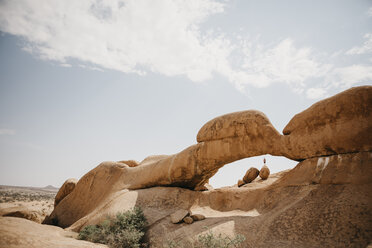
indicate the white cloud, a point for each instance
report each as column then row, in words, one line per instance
column 166, row 37
column 4, row 131
column 162, row 36
column 315, row 93
column 345, row 77
column 281, row 63
column 365, row 48
column 93, row 68
column 369, row 12
column 65, row 65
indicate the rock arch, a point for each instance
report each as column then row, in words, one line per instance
column 340, row 124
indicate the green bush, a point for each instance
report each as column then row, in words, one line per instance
column 92, row 233
column 127, row 229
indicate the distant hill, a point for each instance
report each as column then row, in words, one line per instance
column 50, row 188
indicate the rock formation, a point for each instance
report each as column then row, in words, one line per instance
column 350, row 168
column 226, row 139
column 197, row 217
column 240, row 182
column 250, row 175
column 23, row 212
column 336, row 125
column 66, row 188
column 264, row 172
column 18, row 233
column 179, row 215
column 339, row 124
column 245, row 123
column 328, row 190
column 188, row 220
column 311, row 205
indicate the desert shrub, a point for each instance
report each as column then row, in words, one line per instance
column 127, row 229
column 209, row 240
column 172, row 244
column 93, row 233
column 25, row 196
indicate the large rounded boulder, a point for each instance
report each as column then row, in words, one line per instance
column 336, row 125
column 250, row 123
column 264, row 172
column 250, row 175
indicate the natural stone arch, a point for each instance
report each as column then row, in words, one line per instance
column 342, row 125
column 338, row 124
column 222, row 140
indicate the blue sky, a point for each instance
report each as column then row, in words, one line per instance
column 83, row 82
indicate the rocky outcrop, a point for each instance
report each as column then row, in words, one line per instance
column 340, row 124
column 351, row 168
column 226, row 139
column 312, row 213
column 23, row 212
column 67, row 187
column 20, row 233
column 311, row 205
column 189, row 168
column 93, row 189
column 336, row 125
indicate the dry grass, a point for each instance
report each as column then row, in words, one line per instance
column 39, row 201
column 11, row 196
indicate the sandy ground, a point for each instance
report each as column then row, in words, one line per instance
column 27, row 202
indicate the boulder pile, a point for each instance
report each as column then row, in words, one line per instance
column 185, row 216
column 252, row 173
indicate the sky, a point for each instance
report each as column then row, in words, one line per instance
column 87, row 81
